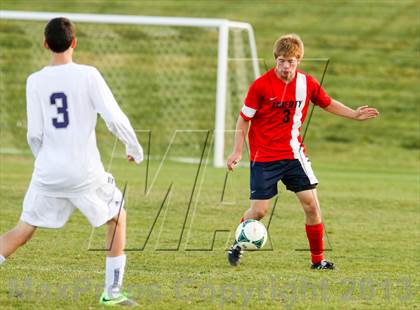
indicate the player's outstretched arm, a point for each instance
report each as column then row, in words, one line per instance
column 242, row 127
column 360, row 114
column 115, row 119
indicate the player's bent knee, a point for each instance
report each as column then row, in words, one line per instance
column 310, row 204
column 260, row 213
column 312, row 208
column 312, row 211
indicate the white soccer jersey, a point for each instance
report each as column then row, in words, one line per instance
column 62, row 106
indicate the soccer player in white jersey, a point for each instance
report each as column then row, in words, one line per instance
column 273, row 113
column 63, row 100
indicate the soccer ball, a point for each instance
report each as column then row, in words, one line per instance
column 251, row 235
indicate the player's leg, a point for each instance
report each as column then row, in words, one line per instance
column 115, row 244
column 15, row 238
column 263, row 186
column 310, row 204
column 257, row 210
column 115, row 261
column 314, row 228
column 300, row 179
column 38, row 211
column 115, row 236
column 106, row 206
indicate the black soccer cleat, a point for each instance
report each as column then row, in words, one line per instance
column 324, row 264
column 234, row 254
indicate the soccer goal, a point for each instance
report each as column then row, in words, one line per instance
column 168, row 73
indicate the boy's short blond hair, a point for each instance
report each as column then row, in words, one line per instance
column 289, row 45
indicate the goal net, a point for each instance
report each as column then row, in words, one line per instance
column 175, row 78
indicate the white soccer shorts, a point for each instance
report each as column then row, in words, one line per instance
column 98, row 206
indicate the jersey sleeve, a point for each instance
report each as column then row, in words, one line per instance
column 318, row 95
column 115, row 119
column 34, row 118
column 252, row 102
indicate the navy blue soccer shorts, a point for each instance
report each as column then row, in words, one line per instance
column 296, row 175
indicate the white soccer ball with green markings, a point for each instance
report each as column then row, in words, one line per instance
column 251, row 235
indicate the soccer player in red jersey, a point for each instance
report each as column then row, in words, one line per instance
column 272, row 115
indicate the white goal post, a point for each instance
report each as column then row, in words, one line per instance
column 223, row 27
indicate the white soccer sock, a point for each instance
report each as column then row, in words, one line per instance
column 114, row 275
column 2, row 259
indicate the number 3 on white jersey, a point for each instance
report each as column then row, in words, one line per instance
column 57, row 97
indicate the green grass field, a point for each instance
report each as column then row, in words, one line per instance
column 369, row 178
column 371, row 218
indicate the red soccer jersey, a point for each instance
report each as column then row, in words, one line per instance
column 277, row 111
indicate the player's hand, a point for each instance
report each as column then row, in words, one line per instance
column 364, row 113
column 134, row 153
column 233, row 160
